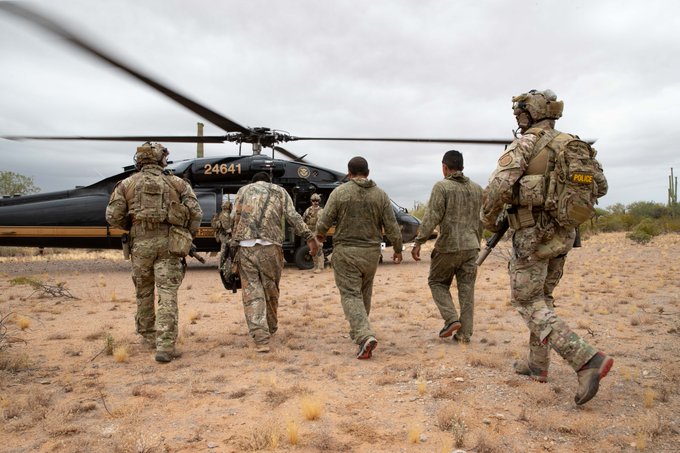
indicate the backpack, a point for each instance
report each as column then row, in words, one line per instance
column 570, row 178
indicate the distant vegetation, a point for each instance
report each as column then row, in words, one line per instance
column 15, row 184
column 643, row 219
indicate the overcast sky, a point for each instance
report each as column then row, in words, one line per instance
column 421, row 68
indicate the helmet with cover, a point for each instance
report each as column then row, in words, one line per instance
column 315, row 197
column 151, row 153
column 539, row 105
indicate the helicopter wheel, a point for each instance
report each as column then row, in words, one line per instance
column 289, row 256
column 303, row 260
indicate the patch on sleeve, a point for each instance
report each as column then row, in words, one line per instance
column 505, row 160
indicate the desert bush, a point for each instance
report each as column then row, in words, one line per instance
column 644, row 231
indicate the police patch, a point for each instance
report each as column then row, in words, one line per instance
column 505, row 160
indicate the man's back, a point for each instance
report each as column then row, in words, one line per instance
column 361, row 211
column 456, row 202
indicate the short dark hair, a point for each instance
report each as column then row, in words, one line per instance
column 357, row 166
column 261, row 176
column 453, row 159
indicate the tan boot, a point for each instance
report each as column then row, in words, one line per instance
column 522, row 367
column 590, row 375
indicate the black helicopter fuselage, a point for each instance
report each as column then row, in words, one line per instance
column 75, row 218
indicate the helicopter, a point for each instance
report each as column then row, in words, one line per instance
column 75, row 218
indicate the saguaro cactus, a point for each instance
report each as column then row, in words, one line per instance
column 672, row 189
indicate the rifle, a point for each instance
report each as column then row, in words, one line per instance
column 194, row 254
column 493, row 241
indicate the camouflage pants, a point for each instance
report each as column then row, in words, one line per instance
column 443, row 268
column 260, row 269
column 532, row 281
column 354, row 269
column 152, row 264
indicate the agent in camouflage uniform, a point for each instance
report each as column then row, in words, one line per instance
column 454, row 205
column 149, row 203
column 311, row 217
column 360, row 212
column 539, row 250
column 259, row 212
column 222, row 224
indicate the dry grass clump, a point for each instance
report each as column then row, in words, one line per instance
column 15, row 362
column 414, row 432
column 263, row 436
column 449, row 421
column 585, row 425
column 22, row 322
column 194, row 316
column 489, row 442
column 292, row 432
column 486, row 360
column 312, row 407
column 421, row 385
column 121, row 354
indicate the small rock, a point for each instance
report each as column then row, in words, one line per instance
column 486, row 421
column 423, row 438
column 212, row 445
column 459, row 379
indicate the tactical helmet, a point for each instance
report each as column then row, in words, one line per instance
column 150, row 153
column 315, row 197
column 540, row 105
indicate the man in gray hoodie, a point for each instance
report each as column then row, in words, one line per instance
column 360, row 212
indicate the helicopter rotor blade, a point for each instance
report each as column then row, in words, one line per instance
column 128, row 138
column 49, row 25
column 290, row 155
column 470, row 141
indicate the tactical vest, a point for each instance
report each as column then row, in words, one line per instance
column 154, row 200
column 560, row 178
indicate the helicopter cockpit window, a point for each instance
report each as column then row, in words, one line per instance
column 397, row 208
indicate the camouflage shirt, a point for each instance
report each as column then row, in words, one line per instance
column 123, row 202
column 360, row 212
column 312, row 215
column 511, row 167
column 260, row 209
column 454, row 205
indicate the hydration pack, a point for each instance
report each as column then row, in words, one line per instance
column 569, row 185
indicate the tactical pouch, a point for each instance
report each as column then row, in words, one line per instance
column 179, row 241
column 150, row 202
column 531, row 191
column 519, row 217
column 178, row 214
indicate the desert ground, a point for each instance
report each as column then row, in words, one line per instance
column 75, row 378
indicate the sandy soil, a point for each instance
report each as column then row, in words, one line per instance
column 61, row 391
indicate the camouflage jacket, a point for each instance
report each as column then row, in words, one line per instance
column 312, row 215
column 260, row 209
column 123, row 202
column 454, row 205
column 360, row 212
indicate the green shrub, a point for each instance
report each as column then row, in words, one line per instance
column 639, row 236
column 645, row 231
column 649, row 226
